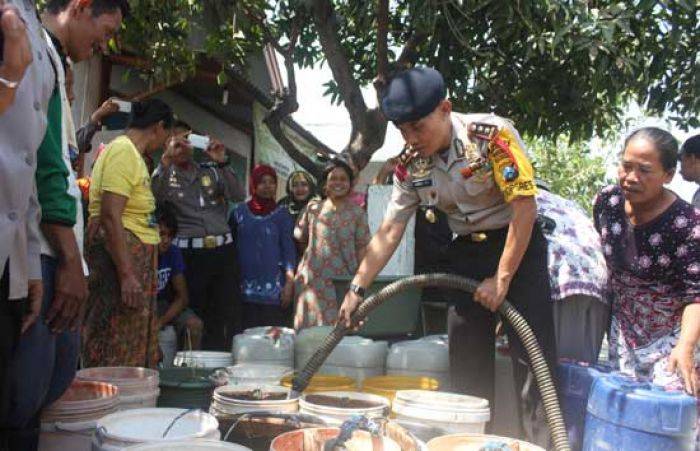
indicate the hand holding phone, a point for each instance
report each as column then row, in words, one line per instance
column 199, row 141
column 123, row 105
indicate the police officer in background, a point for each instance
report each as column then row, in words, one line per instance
column 200, row 193
column 473, row 168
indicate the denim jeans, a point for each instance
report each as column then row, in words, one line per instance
column 43, row 368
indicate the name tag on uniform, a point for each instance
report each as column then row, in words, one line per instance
column 422, row 183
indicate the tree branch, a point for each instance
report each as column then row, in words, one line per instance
column 286, row 103
column 409, row 53
column 382, row 33
column 325, row 22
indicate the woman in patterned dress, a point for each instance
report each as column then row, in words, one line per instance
column 335, row 233
column 121, row 327
column 651, row 242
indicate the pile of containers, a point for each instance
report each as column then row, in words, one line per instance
column 428, row 414
column 337, row 407
column 605, row 410
column 265, row 345
column 120, row 430
column 575, row 380
column 629, row 415
column 354, row 357
column 187, row 388
column 68, row 424
column 427, row 357
column 203, row 359
column 357, row 358
column 253, row 373
column 138, row 387
column 239, row 399
column 323, row 383
column 388, row 386
column 307, row 342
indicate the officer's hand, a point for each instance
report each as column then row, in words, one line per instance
column 107, row 108
column 350, row 304
column 216, row 151
column 491, row 292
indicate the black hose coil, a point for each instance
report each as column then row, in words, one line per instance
column 550, row 400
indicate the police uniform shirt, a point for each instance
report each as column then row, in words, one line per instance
column 473, row 202
column 200, row 196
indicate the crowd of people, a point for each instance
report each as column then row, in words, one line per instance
column 179, row 247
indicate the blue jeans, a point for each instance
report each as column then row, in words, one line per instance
column 43, row 368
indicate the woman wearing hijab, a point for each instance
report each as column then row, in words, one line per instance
column 266, row 253
column 300, row 190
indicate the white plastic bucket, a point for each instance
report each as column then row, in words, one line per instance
column 357, row 357
column 270, row 330
column 139, row 400
column 123, row 429
column 68, row 423
column 256, row 374
column 336, row 415
column 262, row 348
column 427, row 357
column 226, row 402
column 187, row 445
column 307, row 342
column 167, row 340
column 129, row 380
column 203, row 359
column 357, row 374
column 449, row 412
column 74, row 436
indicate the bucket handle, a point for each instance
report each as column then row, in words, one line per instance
column 76, row 427
column 172, row 423
column 100, row 435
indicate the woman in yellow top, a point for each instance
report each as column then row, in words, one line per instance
column 121, row 327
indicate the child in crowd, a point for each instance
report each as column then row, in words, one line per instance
column 175, row 318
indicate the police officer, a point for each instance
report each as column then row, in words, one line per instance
column 473, row 168
column 200, row 194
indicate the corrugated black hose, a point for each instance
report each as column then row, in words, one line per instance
column 451, row 281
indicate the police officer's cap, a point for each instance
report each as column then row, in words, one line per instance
column 413, row 94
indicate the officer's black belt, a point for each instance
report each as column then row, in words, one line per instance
column 480, row 237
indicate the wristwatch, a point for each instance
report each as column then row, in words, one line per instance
column 8, row 83
column 358, row 290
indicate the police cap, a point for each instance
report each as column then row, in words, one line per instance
column 413, row 94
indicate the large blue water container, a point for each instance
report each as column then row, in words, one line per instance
column 624, row 414
column 575, row 381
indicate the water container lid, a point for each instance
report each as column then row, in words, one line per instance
column 442, row 399
column 576, row 378
column 642, row 406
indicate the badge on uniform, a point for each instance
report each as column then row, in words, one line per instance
column 206, row 181
column 498, row 149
